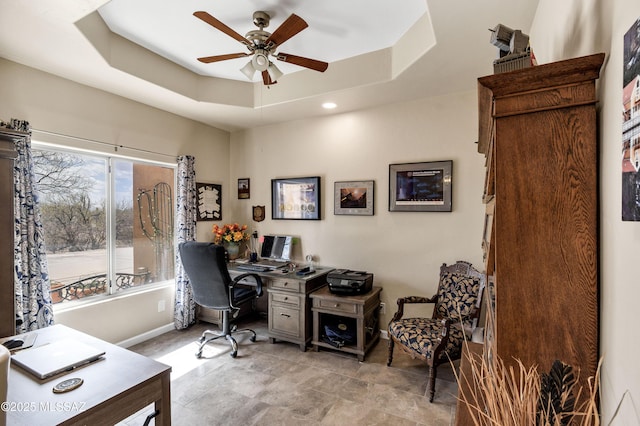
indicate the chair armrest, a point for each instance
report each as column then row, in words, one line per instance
column 443, row 337
column 411, row 299
column 256, row 278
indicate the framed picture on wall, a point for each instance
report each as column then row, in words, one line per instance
column 630, row 166
column 353, row 198
column 244, row 189
column 295, row 198
column 420, row 187
column 209, row 201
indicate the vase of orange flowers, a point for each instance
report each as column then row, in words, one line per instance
column 231, row 236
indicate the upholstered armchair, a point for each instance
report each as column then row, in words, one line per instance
column 456, row 310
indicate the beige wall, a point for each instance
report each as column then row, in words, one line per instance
column 56, row 105
column 403, row 250
column 572, row 28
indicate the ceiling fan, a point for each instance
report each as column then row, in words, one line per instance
column 262, row 44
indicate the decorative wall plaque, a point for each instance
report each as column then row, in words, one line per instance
column 258, row 213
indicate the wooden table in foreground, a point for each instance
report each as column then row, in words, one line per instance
column 114, row 388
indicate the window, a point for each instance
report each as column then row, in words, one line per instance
column 108, row 222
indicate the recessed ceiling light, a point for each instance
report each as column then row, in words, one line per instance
column 329, row 105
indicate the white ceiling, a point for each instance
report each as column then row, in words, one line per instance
column 334, row 33
column 379, row 51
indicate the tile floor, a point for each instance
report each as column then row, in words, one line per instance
column 277, row 384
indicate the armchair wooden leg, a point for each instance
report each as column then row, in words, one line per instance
column 432, row 382
column 390, row 356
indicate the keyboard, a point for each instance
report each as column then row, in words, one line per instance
column 253, row 267
column 272, row 263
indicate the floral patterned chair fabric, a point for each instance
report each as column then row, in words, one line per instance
column 438, row 339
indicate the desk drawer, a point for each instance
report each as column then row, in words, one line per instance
column 336, row 306
column 284, row 320
column 284, row 284
column 284, row 298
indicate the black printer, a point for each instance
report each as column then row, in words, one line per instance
column 348, row 282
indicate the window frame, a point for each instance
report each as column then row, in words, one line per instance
column 110, row 198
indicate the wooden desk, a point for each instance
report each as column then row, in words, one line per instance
column 114, row 388
column 289, row 306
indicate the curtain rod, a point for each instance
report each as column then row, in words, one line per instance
column 115, row 146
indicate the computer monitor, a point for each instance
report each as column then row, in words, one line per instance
column 276, row 247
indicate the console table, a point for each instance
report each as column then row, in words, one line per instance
column 364, row 308
column 114, row 388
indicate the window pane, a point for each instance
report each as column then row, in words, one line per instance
column 76, row 210
column 144, row 223
column 72, row 194
column 123, row 264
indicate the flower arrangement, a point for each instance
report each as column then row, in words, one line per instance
column 230, row 233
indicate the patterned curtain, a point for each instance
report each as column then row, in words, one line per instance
column 32, row 285
column 184, row 313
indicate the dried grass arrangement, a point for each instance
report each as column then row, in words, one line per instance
column 502, row 395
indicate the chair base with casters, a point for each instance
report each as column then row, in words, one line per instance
column 213, row 288
column 227, row 332
column 439, row 339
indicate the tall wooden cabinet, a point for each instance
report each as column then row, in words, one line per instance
column 538, row 133
column 7, row 295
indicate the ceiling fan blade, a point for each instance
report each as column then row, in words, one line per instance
column 303, row 62
column 266, row 79
column 222, row 27
column 290, row 27
column 218, row 58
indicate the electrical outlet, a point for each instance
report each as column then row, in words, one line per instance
column 160, row 305
column 383, row 308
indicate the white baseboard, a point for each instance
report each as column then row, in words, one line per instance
column 146, row 336
column 169, row 327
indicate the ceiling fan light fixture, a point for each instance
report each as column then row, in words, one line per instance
column 260, row 61
column 263, row 44
column 274, row 72
column 248, row 70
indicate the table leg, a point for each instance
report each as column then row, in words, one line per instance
column 360, row 336
column 163, row 405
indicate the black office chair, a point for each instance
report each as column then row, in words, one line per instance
column 213, row 288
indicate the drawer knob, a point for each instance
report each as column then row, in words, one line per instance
column 336, row 305
column 286, row 283
column 286, row 298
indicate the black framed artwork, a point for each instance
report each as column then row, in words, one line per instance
column 244, row 189
column 209, row 201
column 296, row 198
column 420, row 187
